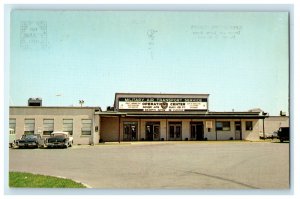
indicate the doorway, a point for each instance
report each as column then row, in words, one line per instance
column 175, row 131
column 152, row 131
column 197, row 131
column 238, row 130
column 130, row 131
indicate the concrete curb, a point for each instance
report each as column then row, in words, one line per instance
column 87, row 186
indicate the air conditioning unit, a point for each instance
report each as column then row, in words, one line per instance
column 35, row 102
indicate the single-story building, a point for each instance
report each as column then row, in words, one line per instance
column 138, row 117
column 150, row 116
column 273, row 123
column 81, row 122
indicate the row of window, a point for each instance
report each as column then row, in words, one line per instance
column 48, row 126
column 225, row 126
column 152, row 130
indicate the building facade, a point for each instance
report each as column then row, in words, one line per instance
column 81, row 122
column 273, row 123
column 139, row 117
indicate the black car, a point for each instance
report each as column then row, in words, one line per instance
column 283, row 134
column 32, row 140
column 59, row 139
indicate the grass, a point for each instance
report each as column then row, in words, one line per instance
column 28, row 180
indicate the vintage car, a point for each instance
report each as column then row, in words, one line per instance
column 59, row 139
column 283, row 134
column 30, row 140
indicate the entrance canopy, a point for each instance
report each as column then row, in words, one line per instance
column 186, row 114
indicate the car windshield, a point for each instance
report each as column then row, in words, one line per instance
column 59, row 135
column 29, row 136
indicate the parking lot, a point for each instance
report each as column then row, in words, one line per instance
column 196, row 165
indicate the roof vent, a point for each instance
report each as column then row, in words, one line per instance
column 110, row 108
column 35, row 101
column 282, row 113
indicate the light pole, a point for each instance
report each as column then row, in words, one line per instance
column 264, row 114
column 81, row 102
column 59, row 100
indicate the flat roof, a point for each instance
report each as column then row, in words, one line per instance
column 183, row 94
column 60, row 107
column 186, row 114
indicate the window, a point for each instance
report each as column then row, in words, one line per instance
column 86, row 127
column 237, row 125
column 249, row 126
column 12, row 124
column 48, row 126
column 223, row 126
column 29, row 126
column 68, row 126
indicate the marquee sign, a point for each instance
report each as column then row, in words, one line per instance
column 163, row 104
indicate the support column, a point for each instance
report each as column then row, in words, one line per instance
column 119, row 130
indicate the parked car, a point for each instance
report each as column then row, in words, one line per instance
column 283, row 134
column 12, row 138
column 30, row 140
column 59, row 139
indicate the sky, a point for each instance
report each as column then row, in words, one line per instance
column 240, row 58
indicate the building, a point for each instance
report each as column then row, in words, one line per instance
column 138, row 117
column 81, row 122
column 273, row 123
column 150, row 116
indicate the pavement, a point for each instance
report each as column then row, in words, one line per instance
column 163, row 165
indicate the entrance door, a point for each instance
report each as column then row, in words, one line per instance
column 197, row 131
column 175, row 131
column 130, row 131
column 152, row 131
column 238, row 130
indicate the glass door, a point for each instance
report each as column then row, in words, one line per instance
column 130, row 131
column 197, row 131
column 152, row 131
column 175, row 131
column 238, row 130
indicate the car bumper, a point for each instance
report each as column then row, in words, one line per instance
column 33, row 144
column 56, row 144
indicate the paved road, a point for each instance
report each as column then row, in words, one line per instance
column 200, row 165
